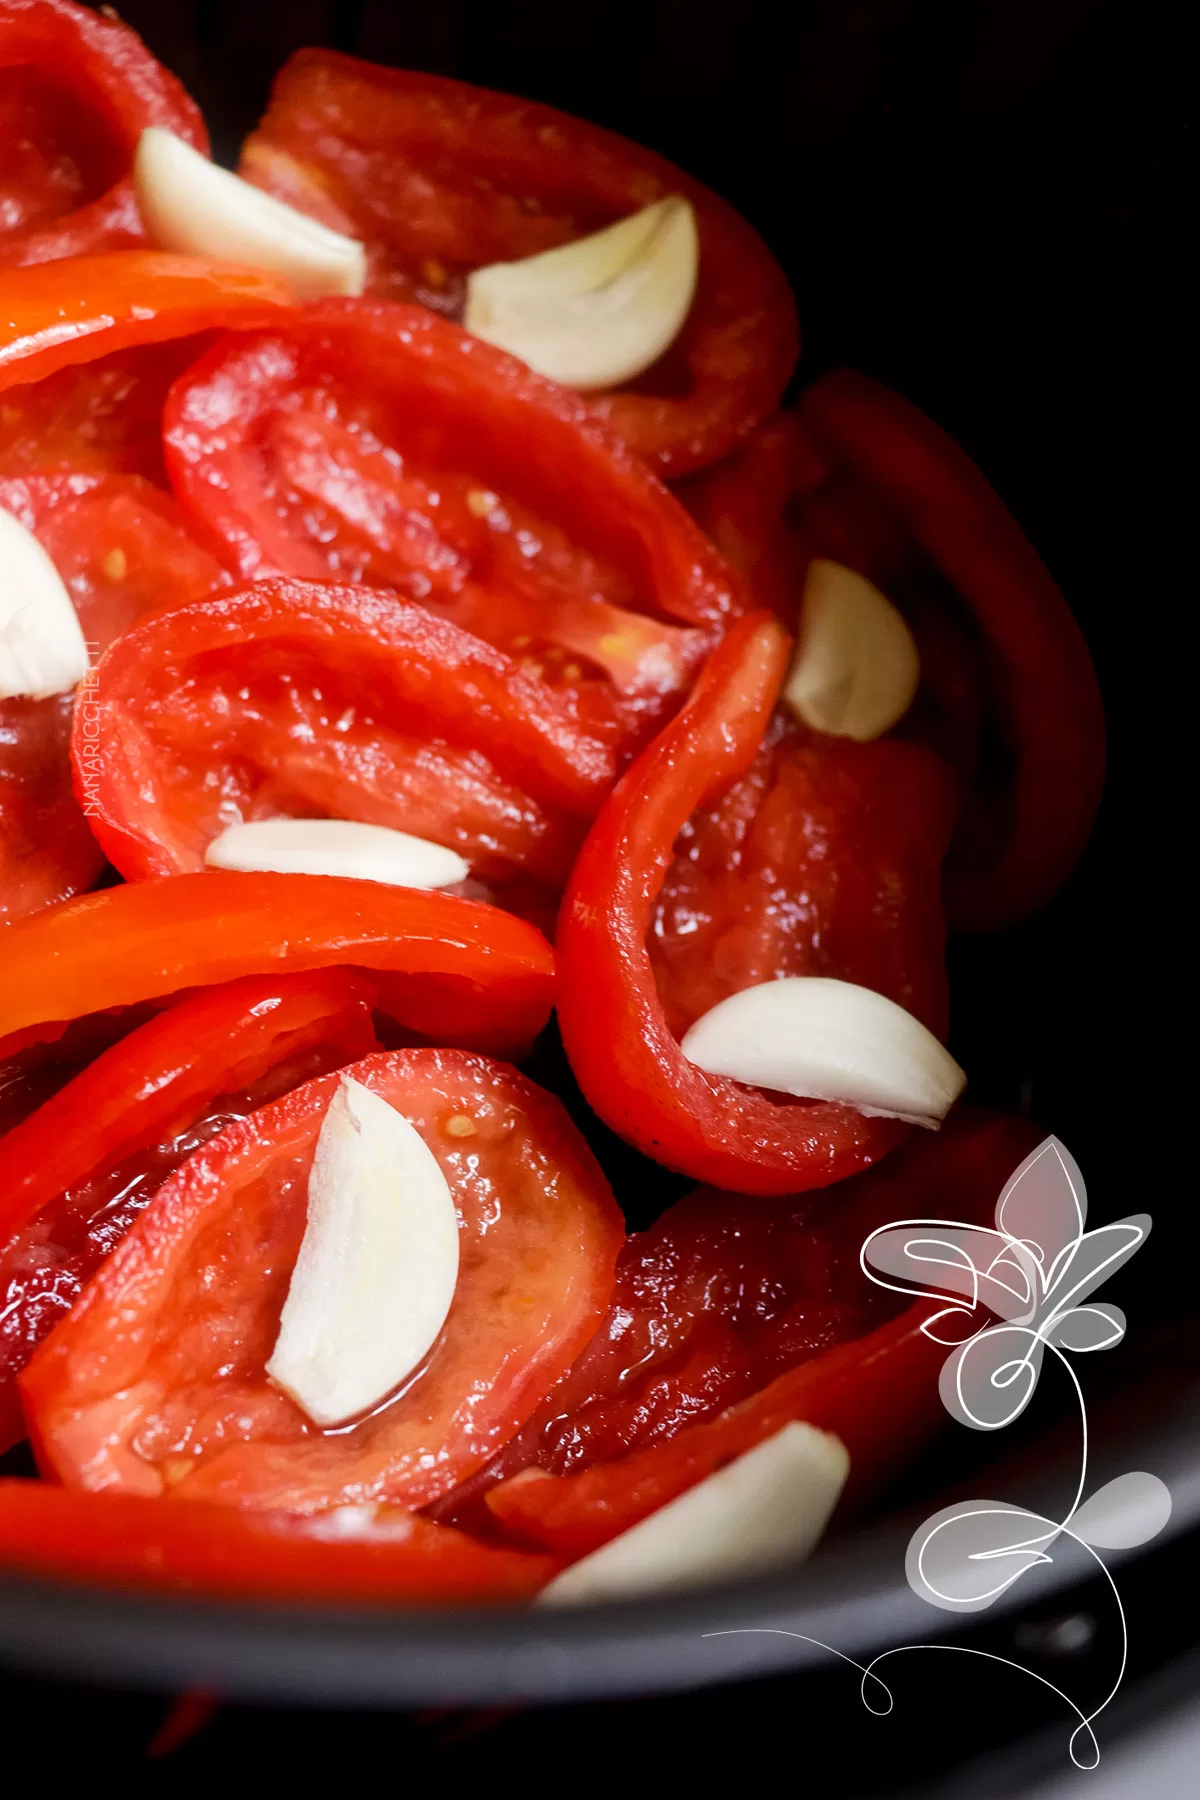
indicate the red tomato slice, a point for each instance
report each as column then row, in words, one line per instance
column 874, row 1384
column 155, row 1382
column 374, row 443
column 291, row 698
column 122, row 549
column 75, row 1175
column 76, row 93
column 438, row 178
column 360, row 1556
column 100, row 418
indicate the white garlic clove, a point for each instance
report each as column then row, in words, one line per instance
column 764, row 1511
column 377, row 1267
column 828, row 1040
column 856, row 668
column 42, row 646
column 599, row 311
column 337, row 847
column 189, row 204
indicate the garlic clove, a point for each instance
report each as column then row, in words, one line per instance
column 828, row 1040
column 764, row 1511
column 42, row 647
column 189, row 204
column 377, row 1267
column 596, row 312
column 337, row 847
column 856, row 668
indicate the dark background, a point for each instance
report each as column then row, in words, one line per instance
column 988, row 204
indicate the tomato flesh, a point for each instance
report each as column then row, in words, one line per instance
column 101, row 417
column 373, row 443
column 156, row 1381
column 824, row 859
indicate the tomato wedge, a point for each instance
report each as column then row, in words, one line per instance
column 438, row 178
column 737, row 849
column 877, row 1391
column 122, row 549
column 359, row 1556
column 53, row 319
column 477, row 976
column 75, row 1174
column 368, row 442
column 155, row 1382
column 292, row 697
column 76, row 93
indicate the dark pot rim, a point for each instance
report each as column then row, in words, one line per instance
column 851, row 1600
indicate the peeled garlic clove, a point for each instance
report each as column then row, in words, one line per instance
column 829, row 1040
column 764, row 1511
column 597, row 312
column 377, row 1266
column 42, row 648
column 187, row 203
column 856, row 667
column 337, row 847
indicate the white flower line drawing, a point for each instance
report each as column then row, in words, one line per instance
column 1032, row 1273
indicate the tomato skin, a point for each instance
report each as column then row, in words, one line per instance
column 80, row 1168
column 439, row 177
column 375, row 443
column 54, row 318
column 1043, row 684
column 100, row 69
column 488, row 975
column 192, row 719
column 373, row 1556
column 878, row 1392
column 615, row 1026
column 857, row 474
column 47, row 851
column 197, row 1415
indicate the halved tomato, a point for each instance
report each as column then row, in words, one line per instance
column 367, row 442
column 437, row 178
column 79, row 1170
column 155, row 1383
column 291, row 697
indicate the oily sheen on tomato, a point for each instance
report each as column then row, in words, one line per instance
column 437, row 177
column 366, row 442
column 873, row 1382
column 155, row 1383
column 76, row 1173
column 293, row 697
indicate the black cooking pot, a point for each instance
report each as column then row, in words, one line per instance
column 985, row 205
